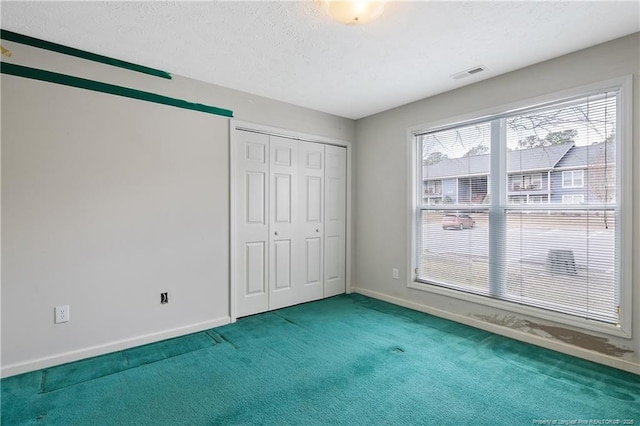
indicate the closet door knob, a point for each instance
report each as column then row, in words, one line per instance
column 317, row 230
column 275, row 233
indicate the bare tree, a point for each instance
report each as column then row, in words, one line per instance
column 602, row 176
column 552, row 138
column 435, row 158
column 477, row 150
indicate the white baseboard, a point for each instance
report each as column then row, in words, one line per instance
column 508, row 332
column 76, row 355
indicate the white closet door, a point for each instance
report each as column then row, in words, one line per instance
column 335, row 220
column 252, row 219
column 284, row 240
column 311, row 218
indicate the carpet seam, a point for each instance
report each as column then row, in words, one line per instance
column 43, row 382
column 122, row 370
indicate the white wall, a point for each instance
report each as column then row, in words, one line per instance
column 381, row 196
column 108, row 201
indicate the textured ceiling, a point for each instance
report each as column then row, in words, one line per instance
column 293, row 52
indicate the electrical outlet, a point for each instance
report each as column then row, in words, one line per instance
column 164, row 298
column 395, row 273
column 62, row 314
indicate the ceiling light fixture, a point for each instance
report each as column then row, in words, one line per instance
column 354, row 11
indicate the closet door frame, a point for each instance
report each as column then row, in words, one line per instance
column 234, row 127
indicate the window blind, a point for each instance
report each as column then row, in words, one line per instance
column 524, row 207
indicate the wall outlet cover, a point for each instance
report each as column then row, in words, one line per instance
column 62, row 314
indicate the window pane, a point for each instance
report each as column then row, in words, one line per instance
column 456, row 165
column 571, row 147
column 454, row 249
column 563, row 261
column 577, row 178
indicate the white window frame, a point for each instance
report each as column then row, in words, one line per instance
column 519, row 177
column 573, row 178
column 625, row 183
column 571, row 198
column 432, row 183
column 517, row 199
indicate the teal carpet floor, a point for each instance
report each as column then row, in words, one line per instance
column 347, row 360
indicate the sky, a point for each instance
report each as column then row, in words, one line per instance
column 594, row 118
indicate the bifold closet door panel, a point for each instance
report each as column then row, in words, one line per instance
column 335, row 220
column 284, row 237
column 311, row 220
column 252, row 218
column 290, row 215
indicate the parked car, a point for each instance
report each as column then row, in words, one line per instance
column 457, row 221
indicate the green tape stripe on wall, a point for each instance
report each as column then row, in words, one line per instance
column 96, row 86
column 54, row 47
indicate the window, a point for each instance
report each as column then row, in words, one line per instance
column 433, row 192
column 537, row 199
column 547, row 252
column 573, row 199
column 526, row 182
column 572, row 179
column 434, row 187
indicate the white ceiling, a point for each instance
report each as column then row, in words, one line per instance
column 293, row 52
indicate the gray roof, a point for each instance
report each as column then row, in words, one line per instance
column 581, row 156
column 532, row 159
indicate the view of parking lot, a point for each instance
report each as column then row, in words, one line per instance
column 559, row 260
column 562, row 257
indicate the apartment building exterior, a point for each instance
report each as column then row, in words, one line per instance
column 563, row 173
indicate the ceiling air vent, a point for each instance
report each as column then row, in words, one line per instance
column 470, row 71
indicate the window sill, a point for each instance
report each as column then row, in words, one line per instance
column 518, row 309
